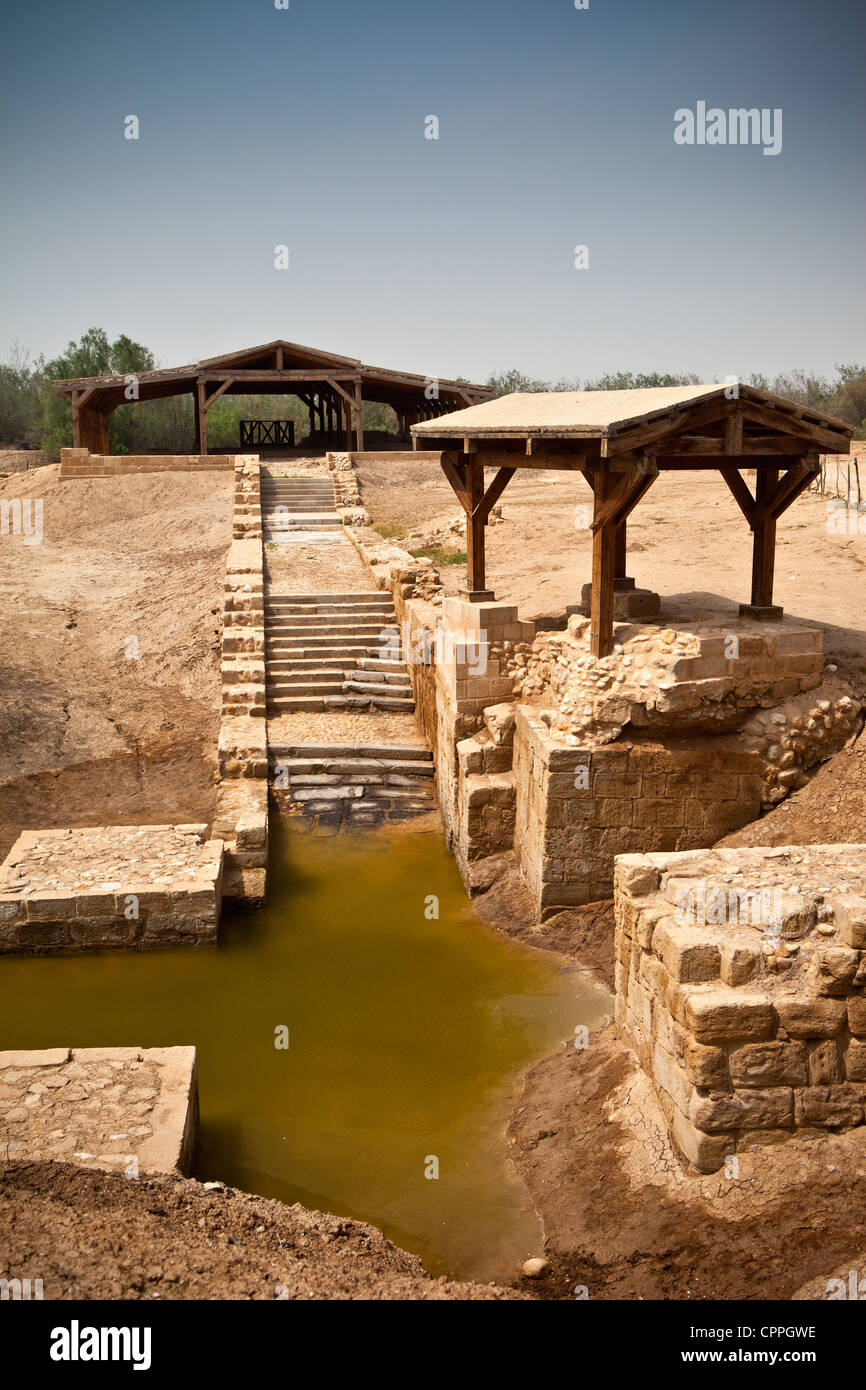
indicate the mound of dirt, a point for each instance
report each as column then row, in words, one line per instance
column 830, row 810
column 92, row 1235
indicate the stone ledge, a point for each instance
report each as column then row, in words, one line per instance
column 122, row 1109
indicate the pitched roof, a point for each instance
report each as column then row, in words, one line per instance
column 589, row 413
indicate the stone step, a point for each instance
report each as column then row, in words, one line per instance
column 368, row 634
column 342, row 609
column 310, row 749
column 329, row 598
column 297, row 769
column 288, row 704
column 335, row 663
column 361, row 679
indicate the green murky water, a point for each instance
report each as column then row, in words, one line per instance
column 407, row 1038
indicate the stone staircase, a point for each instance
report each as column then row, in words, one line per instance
column 334, row 651
column 299, row 509
column 351, row 785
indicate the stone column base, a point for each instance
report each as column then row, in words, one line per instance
column 771, row 614
column 629, row 603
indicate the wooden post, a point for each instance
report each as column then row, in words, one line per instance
column 202, row 417
column 603, row 570
column 620, row 544
column 475, row 523
column 359, row 417
column 196, row 425
column 764, row 543
column 347, row 411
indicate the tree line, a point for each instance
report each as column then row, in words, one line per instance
column 32, row 416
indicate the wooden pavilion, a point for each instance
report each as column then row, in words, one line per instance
column 333, row 388
column 620, row 441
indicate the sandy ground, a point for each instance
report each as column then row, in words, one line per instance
column 687, row 540
column 89, row 733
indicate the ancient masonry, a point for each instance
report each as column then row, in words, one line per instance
column 241, row 815
column 97, row 887
column 741, row 985
column 80, row 463
column 121, row 1109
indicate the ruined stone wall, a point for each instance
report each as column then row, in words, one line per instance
column 741, row 985
column 241, row 815
column 21, row 460
column 80, row 463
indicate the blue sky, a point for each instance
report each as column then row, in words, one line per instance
column 306, row 127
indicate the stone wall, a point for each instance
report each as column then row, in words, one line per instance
column 741, row 985
column 241, row 816
column 128, row 886
column 80, row 463
column 21, row 460
column 122, row 1109
column 576, row 808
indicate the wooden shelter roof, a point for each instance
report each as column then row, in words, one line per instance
column 270, row 368
column 598, row 414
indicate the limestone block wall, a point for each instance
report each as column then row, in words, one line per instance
column 577, row 808
column 21, row 460
column 241, row 816
column 347, row 490
column 127, row 1109
column 741, row 985
column 96, row 887
column 80, row 463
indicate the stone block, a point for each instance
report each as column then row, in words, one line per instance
column 726, row 1015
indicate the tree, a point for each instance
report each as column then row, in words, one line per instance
column 92, row 355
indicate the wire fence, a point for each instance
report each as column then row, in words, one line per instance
column 840, row 477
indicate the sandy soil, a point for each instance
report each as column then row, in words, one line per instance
column 687, row 540
column 91, row 1235
column 88, row 733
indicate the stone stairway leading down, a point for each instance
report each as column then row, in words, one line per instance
column 299, row 509
column 334, row 651
column 335, row 786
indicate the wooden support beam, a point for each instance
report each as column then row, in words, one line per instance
column 808, row 432
column 764, row 541
column 201, row 411
column 475, row 522
column 455, row 472
column 734, row 433
column 219, row 391
column 737, row 484
column 787, row 491
column 359, row 417
column 621, row 495
column 603, row 569
column 494, row 492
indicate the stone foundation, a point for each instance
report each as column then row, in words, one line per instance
column 121, row 1109
column 741, row 985
column 80, row 463
column 576, row 808
column 128, row 886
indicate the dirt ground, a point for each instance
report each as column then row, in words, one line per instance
column 91, row 1235
column 109, row 655
column 687, row 540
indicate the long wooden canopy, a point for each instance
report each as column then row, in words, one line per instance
column 327, row 383
column 620, row 441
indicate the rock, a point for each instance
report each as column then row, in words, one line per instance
column 536, row 1268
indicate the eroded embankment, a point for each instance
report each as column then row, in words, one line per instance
column 109, row 628
column 91, row 1235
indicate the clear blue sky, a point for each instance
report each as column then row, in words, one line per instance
column 306, row 127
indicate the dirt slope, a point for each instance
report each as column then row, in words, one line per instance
column 109, row 678
column 102, row 1236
